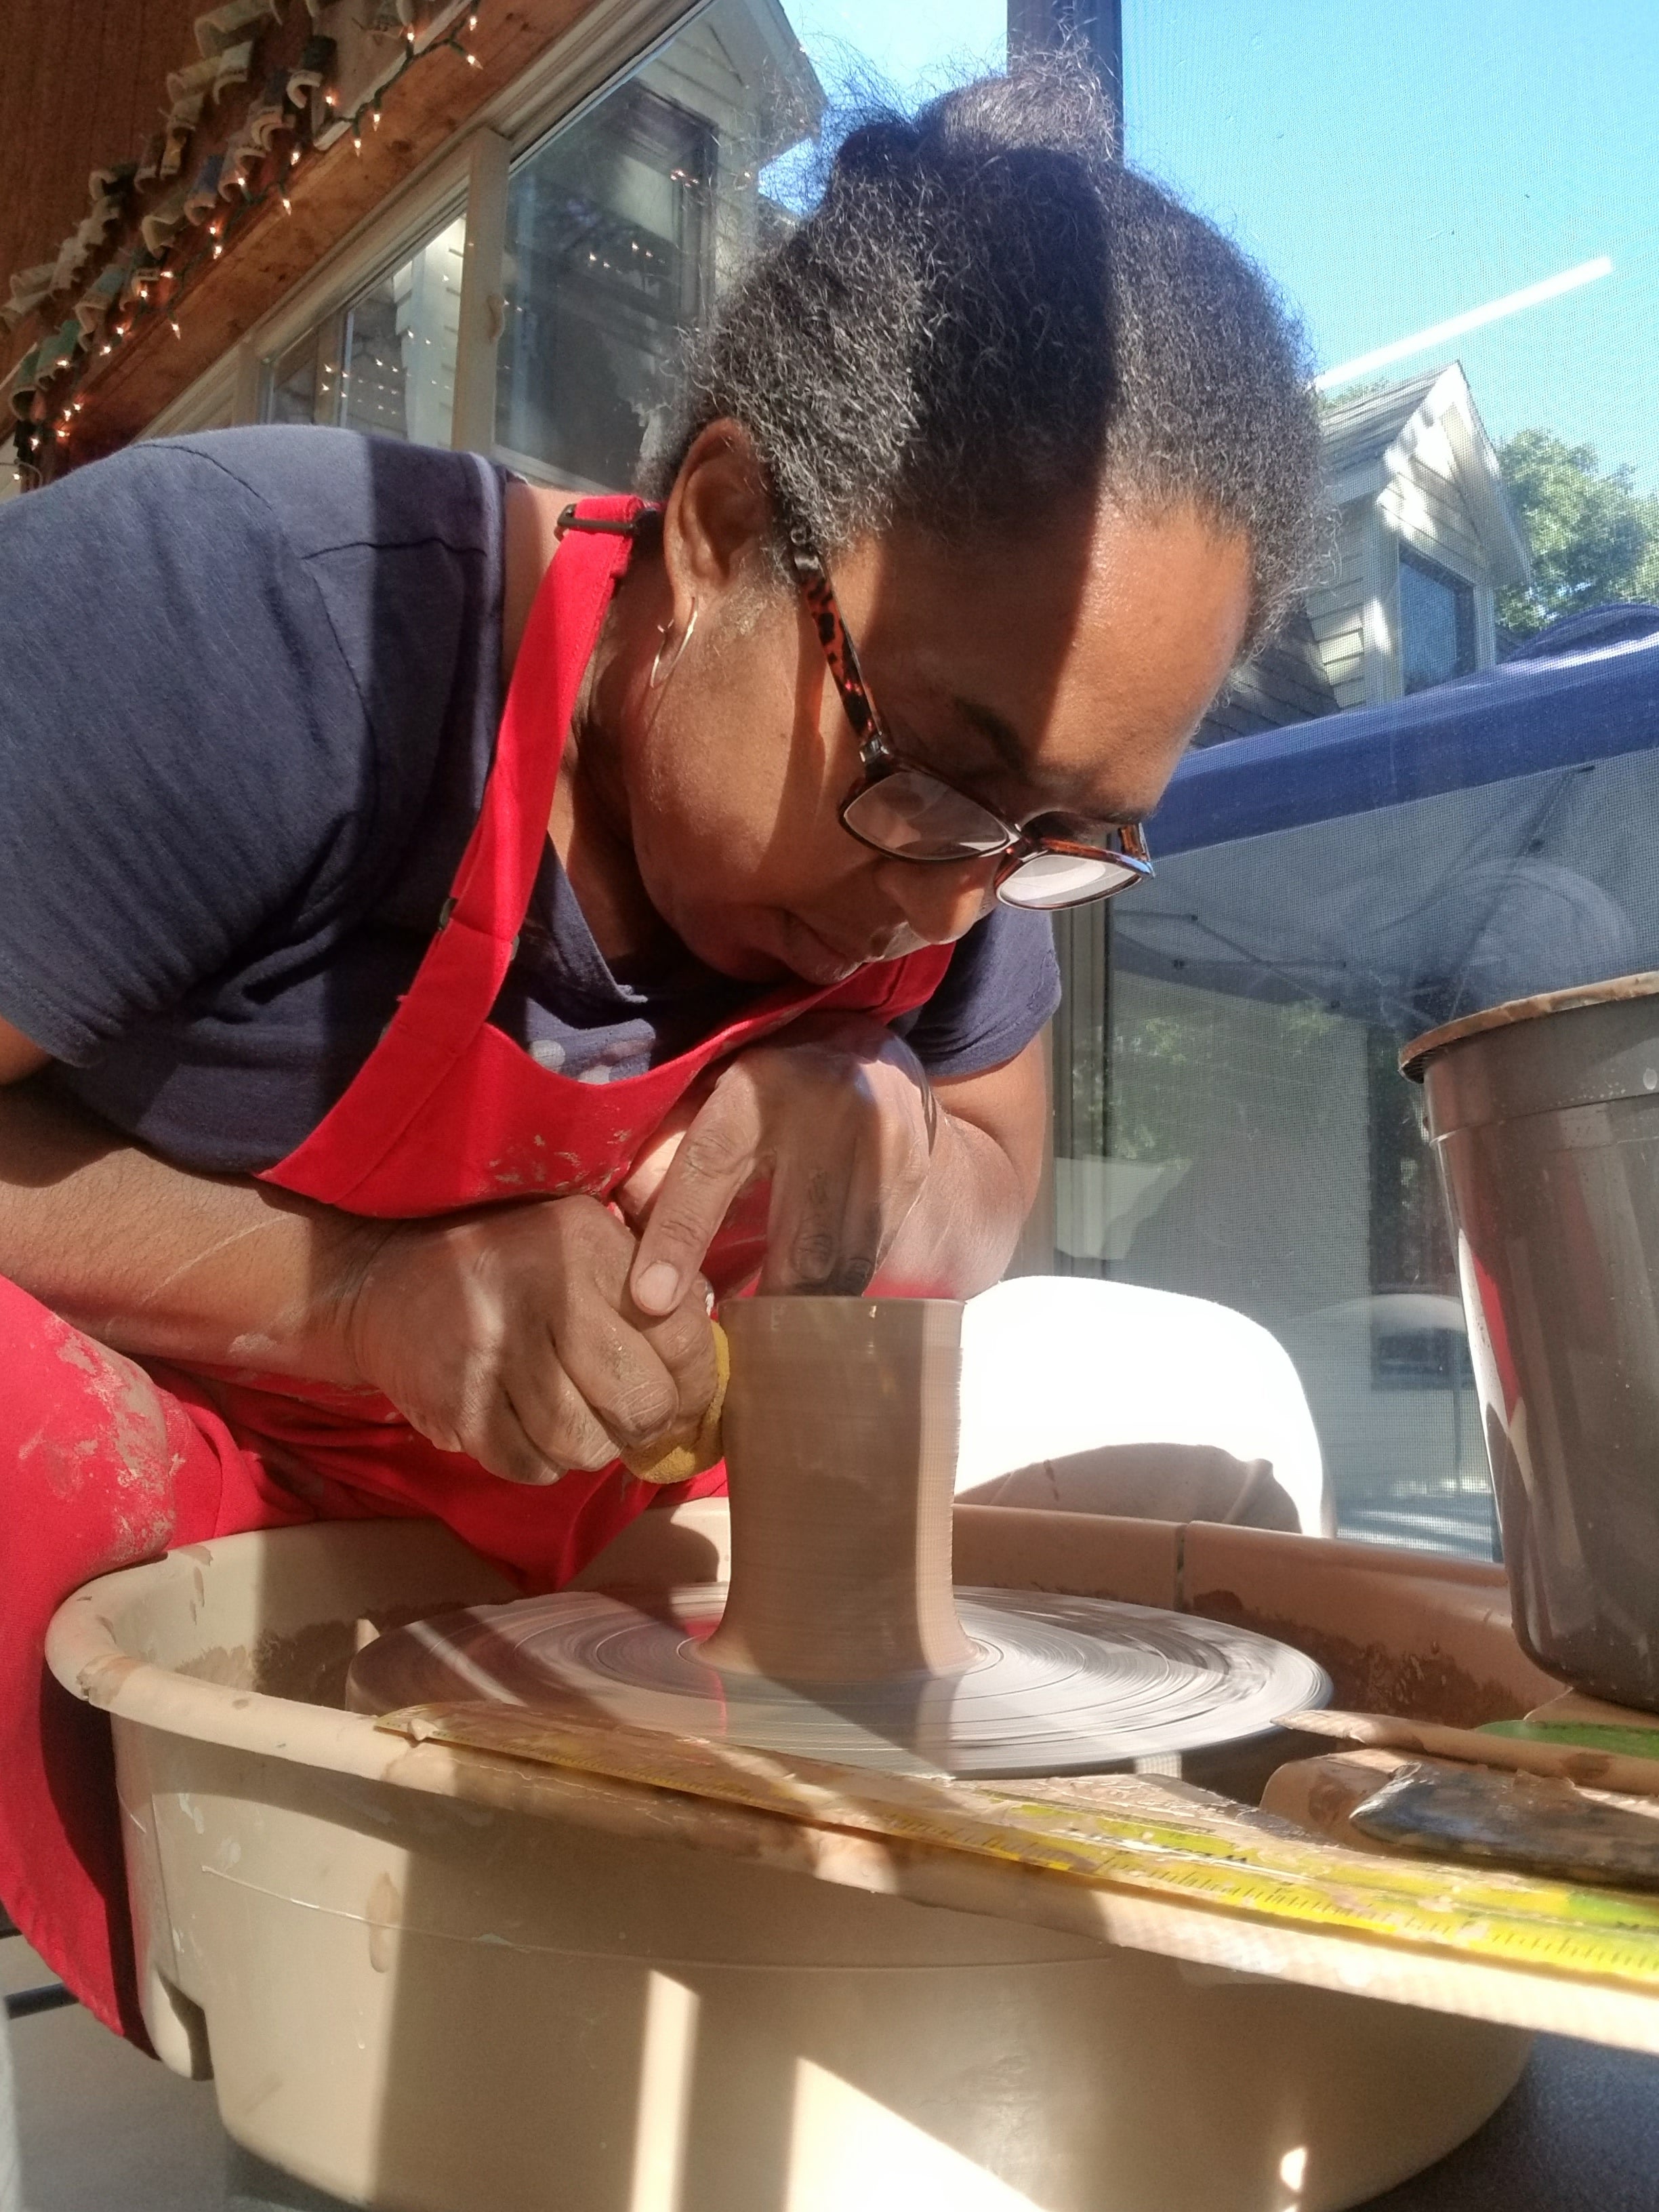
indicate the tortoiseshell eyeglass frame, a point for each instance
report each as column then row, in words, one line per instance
column 878, row 758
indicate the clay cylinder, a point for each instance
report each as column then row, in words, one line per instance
column 841, row 1452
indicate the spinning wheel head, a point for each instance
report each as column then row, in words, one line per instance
column 841, row 1638
column 1051, row 1686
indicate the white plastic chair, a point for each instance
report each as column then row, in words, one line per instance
column 1056, row 1364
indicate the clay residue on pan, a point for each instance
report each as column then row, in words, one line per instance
column 384, row 1915
column 228, row 1666
column 309, row 1664
column 1374, row 1678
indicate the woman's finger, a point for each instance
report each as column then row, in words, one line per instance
column 684, row 1342
column 716, row 1157
column 504, row 1446
column 620, row 1376
column 552, row 1409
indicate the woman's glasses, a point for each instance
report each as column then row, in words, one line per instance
column 914, row 815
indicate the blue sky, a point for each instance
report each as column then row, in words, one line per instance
column 1390, row 167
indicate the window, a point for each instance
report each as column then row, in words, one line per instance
column 1437, row 623
column 608, row 255
column 1358, row 854
column 623, row 225
column 387, row 361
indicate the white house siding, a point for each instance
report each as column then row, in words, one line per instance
column 1286, row 682
column 1423, row 504
column 1336, row 610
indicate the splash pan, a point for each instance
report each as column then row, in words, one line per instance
column 1056, row 1685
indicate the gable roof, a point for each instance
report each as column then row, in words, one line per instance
column 1371, row 439
column 1355, row 432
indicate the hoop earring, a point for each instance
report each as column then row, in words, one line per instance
column 666, row 630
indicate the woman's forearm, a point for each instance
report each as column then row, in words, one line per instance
column 981, row 1182
column 164, row 1264
column 961, row 1232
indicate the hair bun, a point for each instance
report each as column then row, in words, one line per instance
column 877, row 150
column 1055, row 105
column 987, row 313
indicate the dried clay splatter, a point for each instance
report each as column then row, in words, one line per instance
column 117, row 1431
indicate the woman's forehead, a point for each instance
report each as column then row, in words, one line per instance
column 1059, row 658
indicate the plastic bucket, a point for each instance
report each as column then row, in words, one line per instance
column 1545, row 1117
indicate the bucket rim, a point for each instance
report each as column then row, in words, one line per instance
column 1414, row 1055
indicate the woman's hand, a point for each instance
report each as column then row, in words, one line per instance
column 510, row 1335
column 837, row 1115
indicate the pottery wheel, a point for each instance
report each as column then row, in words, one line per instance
column 1056, row 1685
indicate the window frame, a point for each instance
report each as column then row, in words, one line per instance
column 468, row 175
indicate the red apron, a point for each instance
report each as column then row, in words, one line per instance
column 116, row 1464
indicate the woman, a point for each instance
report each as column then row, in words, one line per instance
column 381, row 1120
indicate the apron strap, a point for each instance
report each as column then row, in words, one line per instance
column 461, row 976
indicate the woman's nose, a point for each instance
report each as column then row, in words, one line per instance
column 942, row 901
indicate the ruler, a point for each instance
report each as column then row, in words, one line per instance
column 1119, row 1832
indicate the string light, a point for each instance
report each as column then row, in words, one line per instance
column 26, row 471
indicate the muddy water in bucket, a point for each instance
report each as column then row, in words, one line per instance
column 841, row 1637
column 1544, row 1115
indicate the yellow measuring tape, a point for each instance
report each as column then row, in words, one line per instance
column 1219, row 1858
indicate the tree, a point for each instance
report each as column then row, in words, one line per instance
column 1593, row 536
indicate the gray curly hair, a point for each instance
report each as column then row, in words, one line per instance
column 985, row 312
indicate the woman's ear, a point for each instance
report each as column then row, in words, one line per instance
column 716, row 521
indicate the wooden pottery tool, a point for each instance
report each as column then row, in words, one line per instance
column 1595, row 1755
column 841, row 1638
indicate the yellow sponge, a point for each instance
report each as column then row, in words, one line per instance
column 698, row 1453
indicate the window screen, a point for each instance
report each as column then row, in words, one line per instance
column 1364, row 846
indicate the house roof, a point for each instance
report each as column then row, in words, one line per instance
column 1370, row 438
column 1360, row 430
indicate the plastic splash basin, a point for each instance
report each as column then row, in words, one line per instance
column 434, row 1981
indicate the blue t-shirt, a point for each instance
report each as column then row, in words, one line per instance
column 250, row 688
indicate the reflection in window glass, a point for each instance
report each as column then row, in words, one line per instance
column 624, row 225
column 621, row 227
column 291, row 392
column 608, row 238
column 1358, row 853
column 385, row 363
